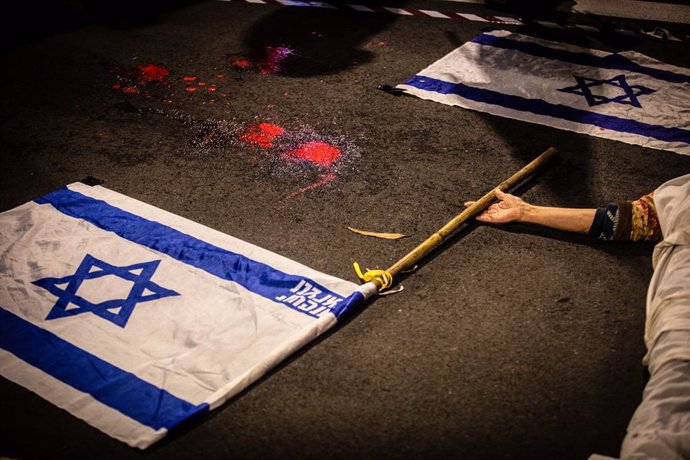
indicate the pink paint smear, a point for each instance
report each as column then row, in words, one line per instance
column 270, row 64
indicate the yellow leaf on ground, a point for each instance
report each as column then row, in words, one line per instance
column 386, row 236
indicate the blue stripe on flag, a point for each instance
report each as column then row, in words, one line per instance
column 541, row 107
column 611, row 61
column 256, row 277
column 112, row 386
column 353, row 301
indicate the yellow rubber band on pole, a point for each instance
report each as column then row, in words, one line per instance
column 384, row 277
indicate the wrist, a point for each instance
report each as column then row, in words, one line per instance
column 528, row 213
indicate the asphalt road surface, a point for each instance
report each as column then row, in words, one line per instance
column 512, row 342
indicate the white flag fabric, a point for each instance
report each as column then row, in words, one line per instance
column 135, row 319
column 625, row 96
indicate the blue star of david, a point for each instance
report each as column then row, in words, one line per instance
column 629, row 96
column 116, row 311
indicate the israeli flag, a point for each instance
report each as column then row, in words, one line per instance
column 135, row 319
column 626, row 96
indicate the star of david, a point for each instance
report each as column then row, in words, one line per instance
column 629, row 96
column 117, row 311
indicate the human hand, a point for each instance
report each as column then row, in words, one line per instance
column 509, row 209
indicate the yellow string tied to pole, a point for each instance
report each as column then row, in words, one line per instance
column 384, row 276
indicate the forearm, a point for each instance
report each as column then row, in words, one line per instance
column 622, row 221
column 566, row 219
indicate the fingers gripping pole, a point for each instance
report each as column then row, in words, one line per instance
column 386, row 278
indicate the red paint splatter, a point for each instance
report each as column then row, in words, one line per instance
column 305, row 157
column 242, row 64
column 151, row 81
column 130, row 80
column 325, row 178
column 262, row 134
column 149, row 73
column 319, row 153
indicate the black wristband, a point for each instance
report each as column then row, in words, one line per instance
column 604, row 223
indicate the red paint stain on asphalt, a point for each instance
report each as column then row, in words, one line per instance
column 149, row 73
column 325, row 178
column 130, row 80
column 262, row 134
column 242, row 64
column 299, row 154
column 319, row 153
column 151, row 81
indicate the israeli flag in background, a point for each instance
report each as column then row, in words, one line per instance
column 625, row 96
column 135, row 319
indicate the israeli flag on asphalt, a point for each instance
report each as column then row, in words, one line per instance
column 625, row 96
column 135, row 319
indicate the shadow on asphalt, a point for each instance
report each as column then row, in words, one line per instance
column 31, row 21
column 323, row 41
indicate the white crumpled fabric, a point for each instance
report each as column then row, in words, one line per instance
column 660, row 427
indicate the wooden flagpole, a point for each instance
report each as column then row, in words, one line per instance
column 386, row 278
